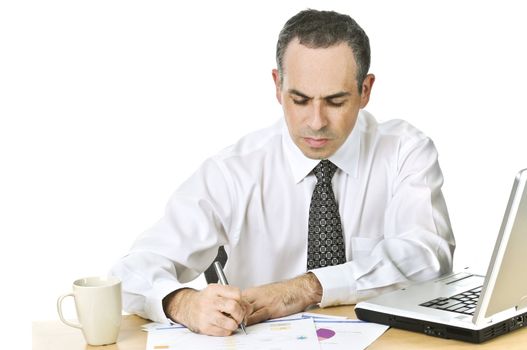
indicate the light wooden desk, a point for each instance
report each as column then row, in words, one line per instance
column 54, row 335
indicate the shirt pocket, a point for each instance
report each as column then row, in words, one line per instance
column 362, row 246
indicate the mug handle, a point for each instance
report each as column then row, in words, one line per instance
column 59, row 310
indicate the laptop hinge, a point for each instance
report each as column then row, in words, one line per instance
column 522, row 304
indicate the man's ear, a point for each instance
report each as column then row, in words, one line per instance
column 367, row 85
column 278, row 85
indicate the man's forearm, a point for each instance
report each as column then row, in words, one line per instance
column 283, row 298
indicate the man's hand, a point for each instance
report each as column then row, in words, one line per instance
column 216, row 310
column 282, row 298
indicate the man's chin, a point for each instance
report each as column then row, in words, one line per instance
column 317, row 153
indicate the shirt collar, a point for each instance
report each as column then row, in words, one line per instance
column 346, row 158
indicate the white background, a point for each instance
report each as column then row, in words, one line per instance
column 106, row 107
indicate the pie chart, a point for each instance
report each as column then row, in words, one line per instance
column 324, row 333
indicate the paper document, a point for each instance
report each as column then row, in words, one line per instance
column 299, row 331
column 287, row 335
column 339, row 332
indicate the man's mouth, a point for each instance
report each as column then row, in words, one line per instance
column 316, row 143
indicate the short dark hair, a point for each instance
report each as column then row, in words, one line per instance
column 322, row 29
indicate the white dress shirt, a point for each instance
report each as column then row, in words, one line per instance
column 254, row 198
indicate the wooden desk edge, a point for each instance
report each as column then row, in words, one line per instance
column 54, row 335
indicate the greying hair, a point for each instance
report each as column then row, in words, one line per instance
column 322, row 29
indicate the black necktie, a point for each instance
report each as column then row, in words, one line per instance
column 325, row 243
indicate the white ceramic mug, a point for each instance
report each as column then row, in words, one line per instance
column 98, row 305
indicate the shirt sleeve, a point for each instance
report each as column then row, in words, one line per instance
column 180, row 246
column 417, row 242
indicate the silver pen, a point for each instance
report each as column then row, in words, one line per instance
column 223, row 281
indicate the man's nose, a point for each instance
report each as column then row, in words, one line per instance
column 318, row 118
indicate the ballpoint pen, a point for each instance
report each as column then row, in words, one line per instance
column 223, row 281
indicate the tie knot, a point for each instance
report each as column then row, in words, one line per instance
column 324, row 171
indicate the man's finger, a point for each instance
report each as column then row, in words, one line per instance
column 232, row 307
column 225, row 321
column 216, row 331
column 248, row 309
column 258, row 316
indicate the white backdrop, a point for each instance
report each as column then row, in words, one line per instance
column 106, row 107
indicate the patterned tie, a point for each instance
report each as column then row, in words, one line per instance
column 325, row 243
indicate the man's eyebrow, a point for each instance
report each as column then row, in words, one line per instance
column 329, row 97
column 298, row 93
column 337, row 95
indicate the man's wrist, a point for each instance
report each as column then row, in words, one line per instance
column 313, row 288
column 173, row 302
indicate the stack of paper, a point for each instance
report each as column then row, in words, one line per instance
column 306, row 331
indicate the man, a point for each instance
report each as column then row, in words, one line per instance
column 325, row 207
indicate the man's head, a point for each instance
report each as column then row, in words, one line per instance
column 322, row 79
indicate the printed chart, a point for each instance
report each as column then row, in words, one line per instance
column 325, row 333
column 286, row 335
column 306, row 331
column 347, row 334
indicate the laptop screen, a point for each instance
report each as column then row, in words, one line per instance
column 506, row 283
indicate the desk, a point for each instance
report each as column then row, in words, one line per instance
column 54, row 335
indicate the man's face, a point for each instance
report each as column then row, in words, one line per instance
column 319, row 96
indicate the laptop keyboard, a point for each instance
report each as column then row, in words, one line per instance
column 464, row 303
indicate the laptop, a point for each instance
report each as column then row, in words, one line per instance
column 467, row 306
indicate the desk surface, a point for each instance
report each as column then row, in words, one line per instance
column 54, row 335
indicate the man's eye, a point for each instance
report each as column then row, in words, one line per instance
column 335, row 103
column 301, row 102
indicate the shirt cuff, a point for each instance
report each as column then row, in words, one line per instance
column 338, row 285
column 154, row 300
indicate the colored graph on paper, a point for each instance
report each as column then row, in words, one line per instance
column 287, row 335
column 347, row 334
column 325, row 334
